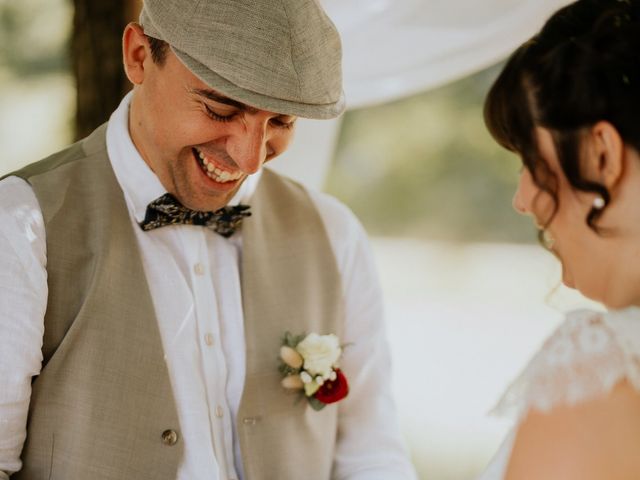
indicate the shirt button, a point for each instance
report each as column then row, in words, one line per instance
column 208, row 339
column 169, row 437
column 219, row 411
column 198, row 268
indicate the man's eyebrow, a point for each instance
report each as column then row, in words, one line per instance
column 216, row 97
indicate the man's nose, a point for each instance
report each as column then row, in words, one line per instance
column 249, row 146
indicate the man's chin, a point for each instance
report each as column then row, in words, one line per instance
column 206, row 201
column 209, row 203
column 207, row 206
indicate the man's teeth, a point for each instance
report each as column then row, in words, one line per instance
column 215, row 173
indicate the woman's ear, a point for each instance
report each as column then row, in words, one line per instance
column 135, row 49
column 605, row 155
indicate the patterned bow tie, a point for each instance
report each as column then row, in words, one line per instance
column 167, row 210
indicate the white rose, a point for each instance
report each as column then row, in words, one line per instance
column 320, row 353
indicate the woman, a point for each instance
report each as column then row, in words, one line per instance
column 568, row 103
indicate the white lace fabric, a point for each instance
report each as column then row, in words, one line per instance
column 583, row 359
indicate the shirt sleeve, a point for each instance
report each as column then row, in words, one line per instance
column 369, row 444
column 580, row 361
column 23, row 298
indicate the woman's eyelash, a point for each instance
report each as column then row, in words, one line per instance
column 215, row 116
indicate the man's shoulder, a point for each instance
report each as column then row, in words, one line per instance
column 346, row 234
column 17, row 199
column 85, row 148
column 336, row 216
column 334, row 210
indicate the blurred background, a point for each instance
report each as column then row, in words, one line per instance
column 470, row 296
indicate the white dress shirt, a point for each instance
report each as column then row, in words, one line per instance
column 194, row 279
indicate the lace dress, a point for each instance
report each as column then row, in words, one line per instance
column 583, row 359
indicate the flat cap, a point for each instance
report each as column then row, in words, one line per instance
column 278, row 55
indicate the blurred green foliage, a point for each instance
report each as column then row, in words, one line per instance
column 426, row 167
column 34, row 36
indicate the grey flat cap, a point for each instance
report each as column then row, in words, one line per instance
column 278, row 55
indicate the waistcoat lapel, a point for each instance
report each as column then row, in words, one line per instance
column 290, row 281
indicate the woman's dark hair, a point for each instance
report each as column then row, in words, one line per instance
column 581, row 68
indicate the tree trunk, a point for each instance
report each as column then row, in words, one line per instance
column 96, row 52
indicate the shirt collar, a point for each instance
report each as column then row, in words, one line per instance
column 138, row 182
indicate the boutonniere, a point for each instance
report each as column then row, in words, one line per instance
column 309, row 363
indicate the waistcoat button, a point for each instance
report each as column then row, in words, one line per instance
column 169, row 437
column 199, row 269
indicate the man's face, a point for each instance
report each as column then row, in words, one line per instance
column 200, row 144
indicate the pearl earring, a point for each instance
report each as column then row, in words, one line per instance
column 547, row 240
column 598, row 203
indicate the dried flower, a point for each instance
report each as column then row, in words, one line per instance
column 292, row 382
column 291, row 357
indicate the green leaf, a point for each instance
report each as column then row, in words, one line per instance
column 285, row 369
column 316, row 404
column 291, row 340
column 299, row 338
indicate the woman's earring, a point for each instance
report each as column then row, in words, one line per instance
column 547, row 240
column 598, row 203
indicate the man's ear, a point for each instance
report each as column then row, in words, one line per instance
column 605, row 155
column 135, row 50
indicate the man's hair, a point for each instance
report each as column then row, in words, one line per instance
column 159, row 49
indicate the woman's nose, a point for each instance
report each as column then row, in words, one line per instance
column 518, row 204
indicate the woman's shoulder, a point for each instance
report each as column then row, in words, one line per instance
column 583, row 359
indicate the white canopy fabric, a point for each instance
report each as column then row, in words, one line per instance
column 396, row 48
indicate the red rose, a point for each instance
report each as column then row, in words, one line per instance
column 333, row 391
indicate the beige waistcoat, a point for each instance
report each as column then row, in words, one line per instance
column 103, row 400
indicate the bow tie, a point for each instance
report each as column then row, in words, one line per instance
column 167, row 210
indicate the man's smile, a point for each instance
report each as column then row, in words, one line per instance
column 213, row 170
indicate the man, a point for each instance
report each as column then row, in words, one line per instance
column 153, row 343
